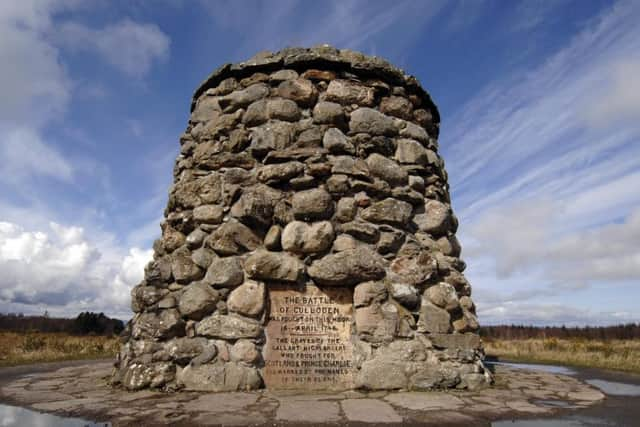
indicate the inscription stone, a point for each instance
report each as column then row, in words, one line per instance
column 309, row 339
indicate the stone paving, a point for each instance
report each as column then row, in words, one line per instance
column 83, row 391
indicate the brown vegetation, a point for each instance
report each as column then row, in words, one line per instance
column 32, row 347
column 615, row 354
column 627, row 331
column 84, row 323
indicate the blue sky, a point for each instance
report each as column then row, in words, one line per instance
column 540, row 106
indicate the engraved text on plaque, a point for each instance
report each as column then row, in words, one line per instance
column 309, row 339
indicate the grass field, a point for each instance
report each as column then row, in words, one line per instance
column 623, row 355
column 32, row 347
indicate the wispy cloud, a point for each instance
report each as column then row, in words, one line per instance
column 617, row 100
column 129, row 46
column 464, row 13
column 527, row 15
column 526, row 136
column 356, row 24
column 34, row 85
column 544, row 175
column 36, row 90
column 23, row 155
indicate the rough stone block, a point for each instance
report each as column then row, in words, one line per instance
column 347, row 268
column 265, row 265
column 228, row 327
column 247, row 299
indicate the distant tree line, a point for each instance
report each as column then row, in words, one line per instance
column 86, row 323
column 626, row 331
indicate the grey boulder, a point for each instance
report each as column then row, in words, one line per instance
column 247, row 299
column 312, row 205
column 229, row 327
column 373, row 122
column 389, row 211
column 265, row 265
column 198, row 300
column 224, row 272
column 301, row 237
column 347, row 268
column 233, row 238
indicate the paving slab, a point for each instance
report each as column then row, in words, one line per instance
column 250, row 418
column 527, row 407
column 222, row 402
column 370, row 411
column 289, row 396
column 309, row 411
column 136, row 395
column 66, row 404
column 424, row 401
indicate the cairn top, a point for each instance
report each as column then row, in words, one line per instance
column 325, row 57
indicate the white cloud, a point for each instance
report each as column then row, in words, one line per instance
column 130, row 274
column 61, row 268
column 129, row 46
column 149, row 231
column 36, row 263
column 514, row 235
column 523, row 238
column 550, row 314
column 34, row 84
column 23, row 154
column 35, row 90
column 527, row 300
column 618, row 99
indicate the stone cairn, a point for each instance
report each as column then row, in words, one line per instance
column 307, row 167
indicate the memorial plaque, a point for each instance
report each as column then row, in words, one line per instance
column 309, row 339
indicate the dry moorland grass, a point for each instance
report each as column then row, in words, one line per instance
column 31, row 347
column 623, row 355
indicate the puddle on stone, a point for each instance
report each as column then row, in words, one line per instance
column 14, row 416
column 570, row 421
column 615, row 389
column 552, row 369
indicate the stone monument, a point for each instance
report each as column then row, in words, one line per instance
column 308, row 240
